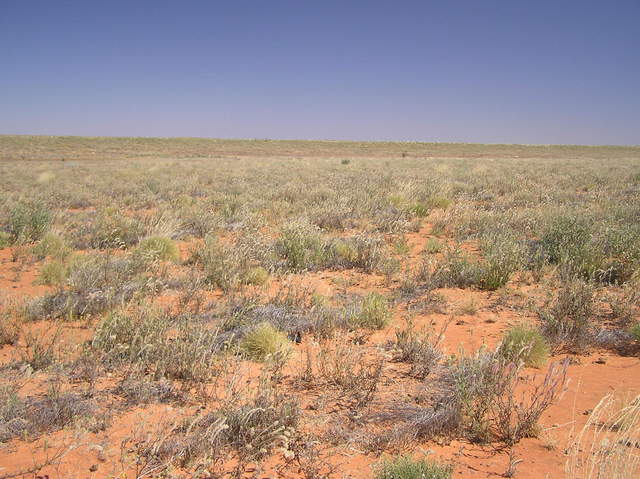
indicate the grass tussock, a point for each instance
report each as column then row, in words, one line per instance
column 405, row 467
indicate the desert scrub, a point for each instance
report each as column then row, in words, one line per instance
column 503, row 257
column 34, row 416
column 374, row 312
column 28, row 222
column 404, row 467
column 141, row 338
column 112, row 229
column 346, row 367
column 454, row 269
column 52, row 245
column 265, row 341
column 418, row 348
column 368, row 253
column 95, row 283
column 157, row 248
column 244, row 429
column 432, row 246
column 12, row 312
column 257, row 276
column 635, row 332
column 291, row 311
column 568, row 319
column 607, row 444
column 225, row 267
column 301, row 246
column 53, row 273
column 581, row 248
column 526, row 344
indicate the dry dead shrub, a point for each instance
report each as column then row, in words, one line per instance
column 345, row 367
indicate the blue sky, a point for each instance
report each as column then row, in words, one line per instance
column 474, row 71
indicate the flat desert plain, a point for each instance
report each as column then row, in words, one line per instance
column 193, row 308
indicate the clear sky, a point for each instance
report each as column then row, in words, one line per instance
column 474, row 71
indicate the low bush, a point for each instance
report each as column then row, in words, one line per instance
column 34, row 416
column 257, row 276
column 374, row 312
column 455, row 269
column 635, row 332
column 347, row 368
column 364, row 252
column 95, row 283
column 407, row 468
column 112, row 229
column 10, row 321
column 419, row 349
column 5, row 239
column 29, row 222
column 141, row 338
column 157, row 248
column 53, row 246
column 568, row 319
column 526, row 344
column 53, row 273
column 225, row 267
column 301, row 246
column 432, row 246
column 265, row 341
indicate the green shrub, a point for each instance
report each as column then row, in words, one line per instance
column 635, row 331
column 53, row 273
column 264, row 341
column 437, row 201
column 112, row 229
column 301, row 246
column 566, row 237
column 224, row 267
column 52, row 245
column 503, row 256
column 10, row 321
column 420, row 210
column 432, row 246
column 257, row 276
column 407, row 468
column 157, row 248
column 28, row 222
column 455, row 269
column 375, row 313
column 522, row 343
column 5, row 239
column 368, row 253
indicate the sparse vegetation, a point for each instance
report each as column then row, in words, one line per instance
column 307, row 321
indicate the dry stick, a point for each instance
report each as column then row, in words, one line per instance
column 38, row 466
